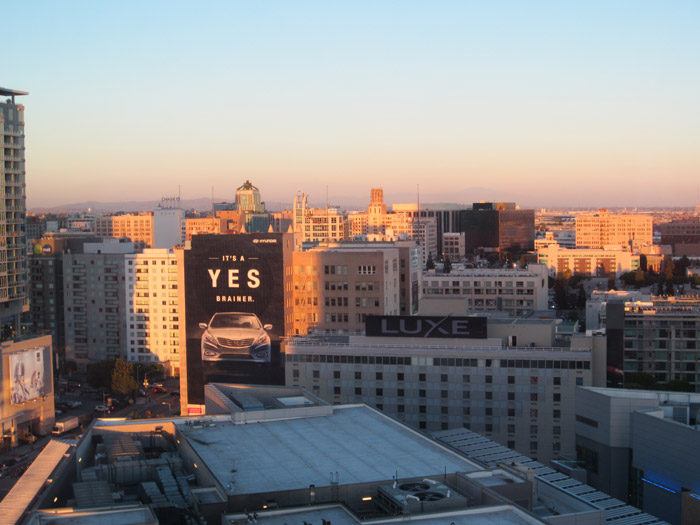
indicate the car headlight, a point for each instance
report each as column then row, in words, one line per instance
column 210, row 339
column 264, row 339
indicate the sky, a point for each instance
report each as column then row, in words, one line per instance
column 542, row 103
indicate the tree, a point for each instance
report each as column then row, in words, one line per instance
column 669, row 287
column 668, row 267
column 447, row 264
column 581, row 297
column 70, row 366
column 123, row 380
column 660, row 288
column 430, row 264
column 99, row 375
column 561, row 291
column 611, row 283
column 643, row 263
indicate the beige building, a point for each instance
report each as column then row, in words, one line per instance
column 335, row 287
column 516, row 291
column 611, row 260
column 152, row 313
column 137, row 227
column 318, row 224
column 378, row 224
column 205, row 225
column 597, row 230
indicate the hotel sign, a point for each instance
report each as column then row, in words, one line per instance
column 425, row 327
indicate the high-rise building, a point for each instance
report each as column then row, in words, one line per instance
column 94, row 298
column 152, row 309
column 498, row 227
column 13, row 248
column 597, row 230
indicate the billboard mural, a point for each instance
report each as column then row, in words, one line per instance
column 27, row 375
column 234, row 305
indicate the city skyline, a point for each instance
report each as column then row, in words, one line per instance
column 544, row 105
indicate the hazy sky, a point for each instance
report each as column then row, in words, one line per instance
column 569, row 103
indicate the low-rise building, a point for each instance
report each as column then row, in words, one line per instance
column 522, row 397
column 642, row 447
column 516, row 291
column 611, row 260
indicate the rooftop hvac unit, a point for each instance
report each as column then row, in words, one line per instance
column 415, row 497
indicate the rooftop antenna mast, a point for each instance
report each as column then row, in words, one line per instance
column 326, row 198
column 418, row 201
column 212, row 202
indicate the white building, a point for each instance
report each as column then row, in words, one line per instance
column 510, row 290
column 152, row 316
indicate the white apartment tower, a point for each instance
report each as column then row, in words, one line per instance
column 13, row 260
column 152, row 317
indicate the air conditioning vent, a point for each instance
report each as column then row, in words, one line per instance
column 415, row 497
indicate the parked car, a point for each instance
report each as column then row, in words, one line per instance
column 175, row 395
column 102, row 408
column 74, row 404
column 158, row 389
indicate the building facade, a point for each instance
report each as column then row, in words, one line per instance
column 13, row 248
column 520, row 397
column 600, row 262
column 516, row 291
column 93, row 300
column 319, row 224
column 336, row 287
column 597, row 230
column 152, row 309
column 497, row 227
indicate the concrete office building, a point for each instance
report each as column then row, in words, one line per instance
column 135, row 227
column 522, row 397
column 601, row 262
column 597, row 230
column 453, row 246
column 204, row 225
column 658, row 337
column 642, row 447
column 497, row 227
column 319, row 224
column 304, row 462
column 94, row 299
column 446, row 217
column 152, row 309
column 168, row 224
column 380, row 225
column 516, row 291
column 683, row 235
column 337, row 286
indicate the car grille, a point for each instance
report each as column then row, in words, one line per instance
column 235, row 343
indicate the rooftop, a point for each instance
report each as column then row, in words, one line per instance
column 356, row 441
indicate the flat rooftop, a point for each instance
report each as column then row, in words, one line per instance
column 356, row 441
column 337, row 515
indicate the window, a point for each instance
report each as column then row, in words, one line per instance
column 443, row 378
column 421, row 409
column 511, row 412
column 358, row 376
column 443, row 394
column 421, row 393
column 380, row 376
column 533, row 412
column 336, row 390
column 511, row 380
column 295, row 373
column 315, row 374
column 557, row 398
column 336, row 374
column 511, row 396
column 533, row 396
column 556, row 414
column 421, row 377
column 557, row 381
column 380, row 392
column 489, row 395
column 489, row 379
column 358, row 391
column 399, row 376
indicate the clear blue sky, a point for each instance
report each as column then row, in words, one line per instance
column 569, row 103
